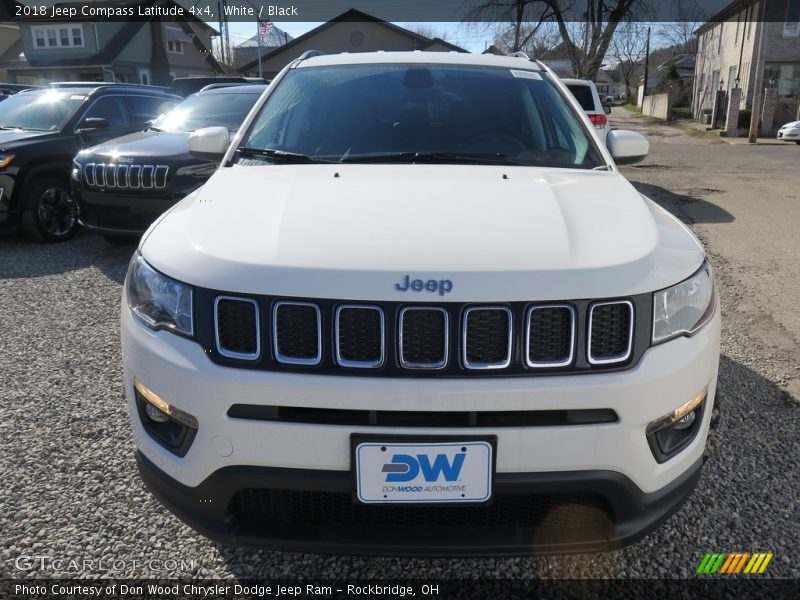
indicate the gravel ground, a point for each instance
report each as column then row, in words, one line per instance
column 70, row 488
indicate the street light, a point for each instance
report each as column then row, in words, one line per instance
column 772, row 82
column 736, row 81
column 721, row 83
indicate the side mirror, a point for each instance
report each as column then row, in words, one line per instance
column 627, row 147
column 606, row 109
column 92, row 124
column 209, row 140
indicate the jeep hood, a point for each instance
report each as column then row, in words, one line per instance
column 9, row 137
column 141, row 145
column 353, row 231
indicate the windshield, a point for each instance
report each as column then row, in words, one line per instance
column 45, row 110
column 415, row 113
column 207, row 110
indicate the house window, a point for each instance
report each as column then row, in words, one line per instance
column 791, row 28
column 785, row 77
column 57, row 37
column 175, row 47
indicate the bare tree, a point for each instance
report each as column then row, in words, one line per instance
column 679, row 34
column 627, row 48
column 587, row 42
column 426, row 30
column 537, row 44
column 520, row 19
column 585, row 35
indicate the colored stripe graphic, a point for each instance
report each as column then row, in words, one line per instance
column 734, row 563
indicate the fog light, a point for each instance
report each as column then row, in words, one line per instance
column 685, row 422
column 171, row 427
column 673, row 432
column 155, row 414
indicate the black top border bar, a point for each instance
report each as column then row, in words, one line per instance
column 398, row 11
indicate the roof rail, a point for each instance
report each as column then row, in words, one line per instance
column 310, row 54
column 520, row 54
column 216, row 86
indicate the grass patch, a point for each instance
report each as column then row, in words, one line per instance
column 712, row 135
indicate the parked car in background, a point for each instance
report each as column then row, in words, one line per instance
column 9, row 89
column 608, row 99
column 586, row 94
column 186, row 86
column 123, row 185
column 790, row 132
column 40, row 133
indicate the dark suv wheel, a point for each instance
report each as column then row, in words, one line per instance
column 49, row 213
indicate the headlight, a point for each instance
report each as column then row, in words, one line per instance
column 201, row 170
column 157, row 300
column 5, row 160
column 684, row 308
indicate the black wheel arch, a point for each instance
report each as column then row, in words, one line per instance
column 55, row 166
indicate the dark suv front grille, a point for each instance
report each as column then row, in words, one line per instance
column 408, row 340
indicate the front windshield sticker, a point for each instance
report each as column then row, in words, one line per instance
column 76, row 97
column 526, row 74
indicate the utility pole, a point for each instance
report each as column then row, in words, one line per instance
column 755, row 115
column 646, row 66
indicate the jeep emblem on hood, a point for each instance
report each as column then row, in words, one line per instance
column 443, row 286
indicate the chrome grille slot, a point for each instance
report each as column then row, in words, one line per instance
column 359, row 336
column 237, row 328
column 486, row 337
column 135, row 177
column 122, row 176
column 610, row 332
column 297, row 333
column 423, row 339
column 550, row 336
column 111, row 176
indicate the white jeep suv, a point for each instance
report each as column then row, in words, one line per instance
column 418, row 310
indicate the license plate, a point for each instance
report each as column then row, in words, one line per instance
column 423, row 472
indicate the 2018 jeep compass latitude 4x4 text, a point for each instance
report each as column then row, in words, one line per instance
column 417, row 310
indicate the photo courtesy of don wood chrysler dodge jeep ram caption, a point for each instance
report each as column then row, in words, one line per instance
column 418, row 311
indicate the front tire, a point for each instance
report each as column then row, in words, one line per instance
column 49, row 212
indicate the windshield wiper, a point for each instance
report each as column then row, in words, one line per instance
column 473, row 158
column 277, row 155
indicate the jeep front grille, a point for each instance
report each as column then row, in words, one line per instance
column 125, row 177
column 405, row 340
column 296, row 333
column 423, row 337
column 359, row 336
column 238, row 334
column 487, row 336
column 610, row 332
column 550, row 336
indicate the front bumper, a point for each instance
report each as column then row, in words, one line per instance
column 789, row 135
column 122, row 214
column 319, row 520
column 609, row 466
